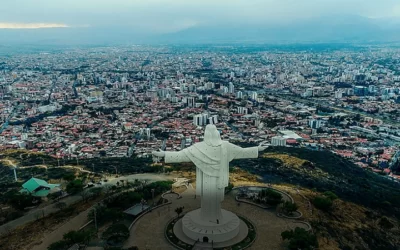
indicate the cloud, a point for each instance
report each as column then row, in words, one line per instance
column 161, row 16
column 31, row 25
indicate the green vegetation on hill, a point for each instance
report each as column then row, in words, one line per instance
column 112, row 165
column 299, row 238
column 325, row 171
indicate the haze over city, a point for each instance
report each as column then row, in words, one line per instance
column 199, row 125
column 170, row 21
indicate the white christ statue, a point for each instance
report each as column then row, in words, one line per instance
column 211, row 157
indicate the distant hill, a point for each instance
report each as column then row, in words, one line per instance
column 324, row 29
column 328, row 29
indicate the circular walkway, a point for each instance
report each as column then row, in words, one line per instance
column 148, row 232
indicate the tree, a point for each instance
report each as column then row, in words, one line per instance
column 179, row 210
column 59, row 245
column 299, row 238
column 60, row 205
column 104, row 215
column 85, row 194
column 20, row 201
column 74, row 187
column 96, row 191
column 289, row 207
column 116, row 234
column 69, row 177
column 78, row 237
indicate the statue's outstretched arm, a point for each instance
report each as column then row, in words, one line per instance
column 176, row 157
column 244, row 153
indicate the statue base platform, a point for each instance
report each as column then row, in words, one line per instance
column 199, row 230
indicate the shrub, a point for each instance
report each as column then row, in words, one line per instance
column 299, row 238
column 271, row 197
column 78, row 237
column 59, row 245
column 322, row 202
column 74, row 187
column 386, row 223
column 330, row 195
column 289, row 207
column 104, row 214
column 116, row 234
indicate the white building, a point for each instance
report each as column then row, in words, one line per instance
column 200, row 120
column 338, row 94
column 254, row 95
column 278, row 141
column 316, row 123
column 213, row 119
column 191, row 102
column 239, row 95
column 231, row 88
column 242, row 110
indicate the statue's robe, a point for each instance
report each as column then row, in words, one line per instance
column 212, row 172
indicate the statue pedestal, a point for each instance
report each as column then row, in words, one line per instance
column 209, row 231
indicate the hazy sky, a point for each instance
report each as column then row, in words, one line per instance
column 161, row 16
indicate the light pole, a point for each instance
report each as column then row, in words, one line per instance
column 152, row 194
column 95, row 219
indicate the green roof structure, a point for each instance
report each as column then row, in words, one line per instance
column 37, row 187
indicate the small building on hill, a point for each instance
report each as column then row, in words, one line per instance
column 39, row 188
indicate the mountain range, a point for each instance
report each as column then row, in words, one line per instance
column 348, row 29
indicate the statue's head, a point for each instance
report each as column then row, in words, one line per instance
column 211, row 136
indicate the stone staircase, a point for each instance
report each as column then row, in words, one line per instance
column 202, row 246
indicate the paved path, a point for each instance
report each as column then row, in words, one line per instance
column 148, row 232
column 34, row 214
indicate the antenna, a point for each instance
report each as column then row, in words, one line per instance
column 15, row 174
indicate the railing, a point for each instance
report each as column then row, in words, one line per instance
column 195, row 243
column 147, row 211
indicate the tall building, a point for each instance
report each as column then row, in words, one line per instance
column 254, row 95
column 209, row 85
column 360, row 90
column 278, row 141
column 242, row 110
column 239, row 95
column 191, row 102
column 182, row 87
column 231, row 88
column 192, row 88
column 200, row 119
column 213, row 119
column 315, row 124
column 338, row 94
